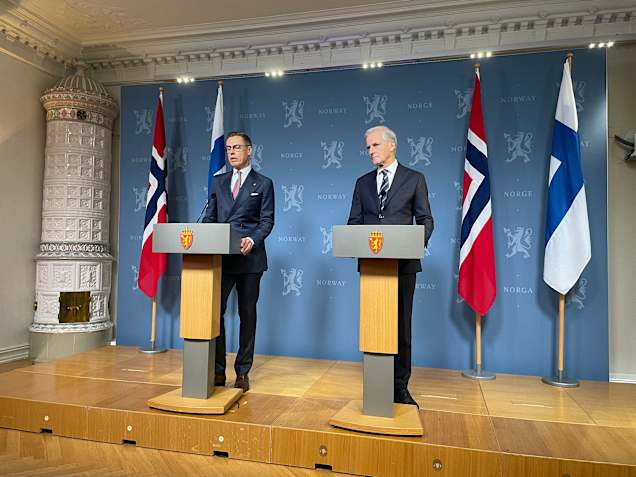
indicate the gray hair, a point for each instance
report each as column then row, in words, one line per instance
column 387, row 134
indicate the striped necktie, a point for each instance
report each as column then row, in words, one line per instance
column 384, row 189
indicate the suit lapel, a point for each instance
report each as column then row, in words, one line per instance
column 398, row 180
column 372, row 188
column 225, row 186
column 240, row 198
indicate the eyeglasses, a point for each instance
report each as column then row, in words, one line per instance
column 236, row 147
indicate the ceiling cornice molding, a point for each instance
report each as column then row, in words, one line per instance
column 408, row 12
column 22, row 27
column 401, row 36
column 391, row 31
column 348, row 15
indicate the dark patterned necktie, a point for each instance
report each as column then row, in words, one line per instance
column 384, row 189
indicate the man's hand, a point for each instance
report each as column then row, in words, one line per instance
column 246, row 245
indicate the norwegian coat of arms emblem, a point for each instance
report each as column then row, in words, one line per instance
column 376, row 241
column 186, row 238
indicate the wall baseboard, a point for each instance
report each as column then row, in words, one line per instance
column 14, row 353
column 622, row 378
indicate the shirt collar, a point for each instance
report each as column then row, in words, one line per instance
column 391, row 169
column 244, row 172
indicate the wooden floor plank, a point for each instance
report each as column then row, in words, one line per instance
column 566, row 441
column 514, row 424
column 32, row 454
column 608, row 404
column 526, row 397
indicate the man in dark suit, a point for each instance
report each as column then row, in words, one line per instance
column 394, row 195
column 244, row 199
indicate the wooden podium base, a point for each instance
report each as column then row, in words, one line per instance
column 222, row 399
column 406, row 420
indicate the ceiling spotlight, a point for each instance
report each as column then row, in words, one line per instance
column 480, row 55
column 380, row 64
column 592, row 45
column 601, row 45
column 610, row 44
column 179, row 79
column 274, row 73
column 472, row 56
column 488, row 54
column 372, row 65
column 365, row 66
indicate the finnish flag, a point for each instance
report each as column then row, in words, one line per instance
column 567, row 231
column 217, row 143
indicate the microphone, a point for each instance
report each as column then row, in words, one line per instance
column 204, row 209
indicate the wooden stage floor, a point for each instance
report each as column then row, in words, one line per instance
column 512, row 426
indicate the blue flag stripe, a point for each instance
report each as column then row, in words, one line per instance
column 482, row 196
column 151, row 209
column 217, row 159
column 568, row 179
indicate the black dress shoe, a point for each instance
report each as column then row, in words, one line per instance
column 403, row 396
column 219, row 379
column 243, row 382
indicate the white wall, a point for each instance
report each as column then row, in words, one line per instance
column 621, row 203
column 22, row 140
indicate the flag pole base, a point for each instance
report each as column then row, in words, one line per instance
column 152, row 349
column 560, row 380
column 478, row 374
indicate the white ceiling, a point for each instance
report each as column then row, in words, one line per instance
column 86, row 21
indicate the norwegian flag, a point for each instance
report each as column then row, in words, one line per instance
column 152, row 265
column 477, row 283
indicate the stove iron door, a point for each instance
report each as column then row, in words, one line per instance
column 74, row 307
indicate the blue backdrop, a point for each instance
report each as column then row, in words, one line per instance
column 308, row 137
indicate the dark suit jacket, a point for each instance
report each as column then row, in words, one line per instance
column 251, row 215
column 407, row 199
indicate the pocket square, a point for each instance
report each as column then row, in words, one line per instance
column 253, row 194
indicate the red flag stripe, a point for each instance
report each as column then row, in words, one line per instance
column 477, row 282
column 152, row 265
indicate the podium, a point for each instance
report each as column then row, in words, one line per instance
column 378, row 248
column 202, row 247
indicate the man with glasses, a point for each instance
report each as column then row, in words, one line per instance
column 392, row 194
column 244, row 199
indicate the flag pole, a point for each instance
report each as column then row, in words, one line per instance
column 152, row 349
column 561, row 333
column 153, row 322
column 478, row 341
column 560, row 379
column 478, row 373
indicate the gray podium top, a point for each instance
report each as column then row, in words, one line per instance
column 204, row 239
column 398, row 241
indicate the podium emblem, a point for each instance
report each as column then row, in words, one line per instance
column 376, row 241
column 186, row 238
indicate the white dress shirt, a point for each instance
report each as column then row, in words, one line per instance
column 244, row 173
column 391, row 170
